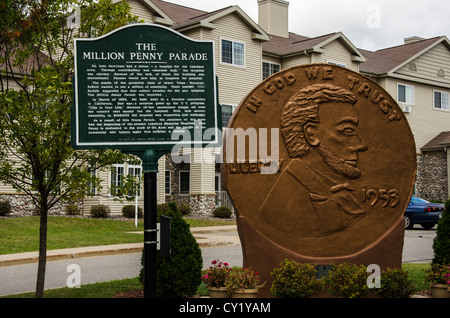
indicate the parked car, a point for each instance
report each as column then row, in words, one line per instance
column 423, row 212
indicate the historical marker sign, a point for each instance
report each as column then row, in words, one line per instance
column 141, row 88
column 137, row 85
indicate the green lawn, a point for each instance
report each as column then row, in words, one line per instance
column 21, row 234
column 111, row 289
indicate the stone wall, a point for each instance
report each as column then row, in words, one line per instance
column 203, row 203
column 22, row 205
column 431, row 183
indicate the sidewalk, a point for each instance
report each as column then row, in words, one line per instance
column 205, row 236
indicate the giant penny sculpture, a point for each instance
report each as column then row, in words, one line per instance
column 320, row 163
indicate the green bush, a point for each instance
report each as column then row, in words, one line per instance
column 185, row 209
column 347, row 281
column 179, row 274
column 129, row 211
column 5, row 207
column 162, row 208
column 100, row 211
column 72, row 209
column 441, row 243
column 395, row 283
column 294, row 280
column 222, row 212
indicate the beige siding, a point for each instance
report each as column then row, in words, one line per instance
column 7, row 189
column 273, row 17
column 336, row 52
column 428, row 64
column 235, row 82
column 425, row 122
column 296, row 60
column 139, row 9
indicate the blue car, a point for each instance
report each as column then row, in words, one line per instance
column 423, row 212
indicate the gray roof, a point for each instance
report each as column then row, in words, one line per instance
column 438, row 143
column 385, row 60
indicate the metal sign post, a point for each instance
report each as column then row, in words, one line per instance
column 150, row 162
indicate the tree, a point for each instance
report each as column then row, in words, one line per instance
column 36, row 68
column 441, row 243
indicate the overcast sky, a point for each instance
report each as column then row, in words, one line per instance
column 368, row 24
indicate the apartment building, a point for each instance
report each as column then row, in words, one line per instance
column 416, row 73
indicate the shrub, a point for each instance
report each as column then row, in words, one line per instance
column 222, row 212
column 185, row 209
column 441, row 243
column 72, row 209
column 294, row 280
column 100, row 211
column 395, row 283
column 179, row 274
column 129, row 211
column 5, row 207
column 347, row 281
column 162, row 209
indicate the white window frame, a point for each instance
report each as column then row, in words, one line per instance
column 233, row 109
column 115, row 183
column 447, row 107
column 126, row 171
column 179, row 182
column 270, row 68
column 218, row 186
column 92, row 190
column 233, row 57
column 134, row 168
column 406, row 102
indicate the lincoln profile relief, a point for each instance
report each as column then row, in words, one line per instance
column 320, row 130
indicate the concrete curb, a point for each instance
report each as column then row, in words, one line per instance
column 205, row 236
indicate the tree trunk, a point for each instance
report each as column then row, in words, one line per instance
column 42, row 252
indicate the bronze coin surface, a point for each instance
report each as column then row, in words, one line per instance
column 320, row 160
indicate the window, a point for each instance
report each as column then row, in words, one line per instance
column 233, row 53
column 117, row 174
column 184, row 182
column 167, row 180
column 440, row 100
column 135, row 172
column 227, row 111
column 405, row 94
column 217, row 185
column 91, row 190
column 270, row 69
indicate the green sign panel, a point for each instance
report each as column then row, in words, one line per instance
column 141, row 87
